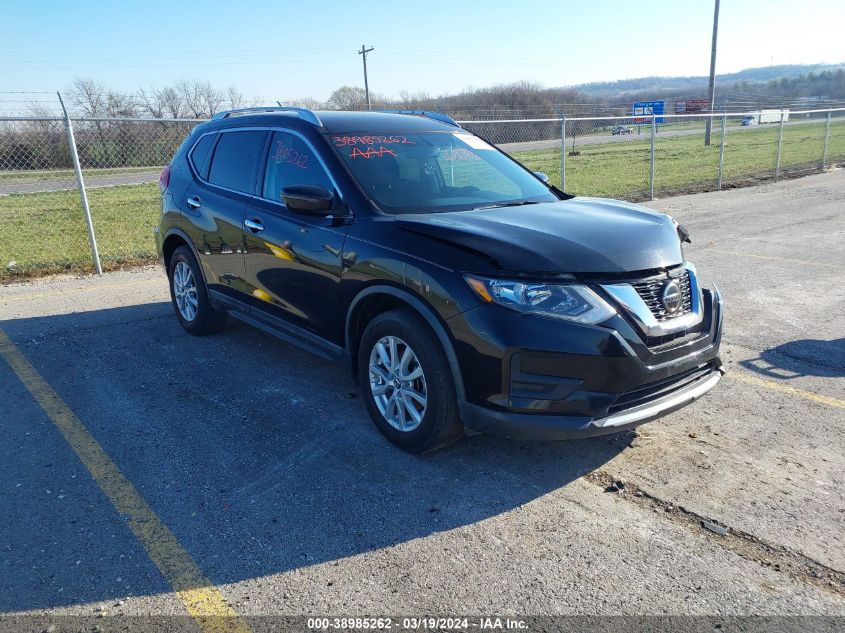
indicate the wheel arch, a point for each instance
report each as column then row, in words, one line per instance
column 173, row 240
column 376, row 299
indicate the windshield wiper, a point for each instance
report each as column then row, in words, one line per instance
column 515, row 203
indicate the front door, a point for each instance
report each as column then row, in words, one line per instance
column 293, row 262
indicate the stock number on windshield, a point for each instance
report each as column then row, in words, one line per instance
column 344, row 141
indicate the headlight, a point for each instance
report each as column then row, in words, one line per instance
column 573, row 302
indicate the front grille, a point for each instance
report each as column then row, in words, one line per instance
column 667, row 341
column 655, row 390
column 651, row 290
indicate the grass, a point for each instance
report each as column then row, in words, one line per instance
column 45, row 232
column 682, row 164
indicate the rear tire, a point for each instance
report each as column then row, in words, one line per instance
column 189, row 295
column 407, row 383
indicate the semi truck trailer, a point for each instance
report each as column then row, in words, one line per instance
column 765, row 116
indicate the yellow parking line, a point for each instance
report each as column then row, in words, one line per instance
column 793, row 391
column 203, row 601
column 42, row 295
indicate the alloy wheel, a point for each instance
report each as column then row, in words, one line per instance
column 185, row 291
column 397, row 383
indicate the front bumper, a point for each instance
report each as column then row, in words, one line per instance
column 582, row 380
column 549, row 427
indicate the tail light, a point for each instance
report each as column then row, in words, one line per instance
column 164, row 179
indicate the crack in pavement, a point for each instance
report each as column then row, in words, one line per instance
column 776, row 557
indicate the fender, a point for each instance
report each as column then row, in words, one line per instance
column 425, row 311
column 190, row 243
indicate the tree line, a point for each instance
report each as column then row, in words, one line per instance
column 190, row 99
column 201, row 99
column 111, row 144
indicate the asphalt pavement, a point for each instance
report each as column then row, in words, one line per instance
column 262, row 464
column 49, row 183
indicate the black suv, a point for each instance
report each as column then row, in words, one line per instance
column 468, row 293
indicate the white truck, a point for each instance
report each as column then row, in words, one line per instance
column 764, row 116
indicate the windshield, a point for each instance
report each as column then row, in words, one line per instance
column 436, row 171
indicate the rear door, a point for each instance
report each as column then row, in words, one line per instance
column 293, row 262
column 214, row 206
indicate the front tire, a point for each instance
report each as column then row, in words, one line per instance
column 189, row 295
column 407, row 383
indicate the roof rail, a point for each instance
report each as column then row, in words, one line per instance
column 437, row 116
column 303, row 113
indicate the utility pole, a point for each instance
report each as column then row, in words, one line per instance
column 363, row 52
column 712, row 85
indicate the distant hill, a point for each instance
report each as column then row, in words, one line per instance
column 694, row 83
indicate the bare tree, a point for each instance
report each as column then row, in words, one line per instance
column 120, row 105
column 198, row 99
column 171, row 102
column 235, row 98
column 92, row 99
column 305, row 102
column 27, row 147
column 37, row 109
column 152, row 105
column 349, row 98
column 419, row 99
column 89, row 97
column 163, row 102
column 201, row 99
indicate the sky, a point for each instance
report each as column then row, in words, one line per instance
column 285, row 50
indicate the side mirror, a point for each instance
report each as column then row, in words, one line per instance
column 542, row 176
column 308, row 199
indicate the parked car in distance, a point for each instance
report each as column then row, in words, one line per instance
column 621, row 129
column 466, row 292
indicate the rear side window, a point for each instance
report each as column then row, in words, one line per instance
column 236, row 159
column 201, row 153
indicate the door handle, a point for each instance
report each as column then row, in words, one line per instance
column 193, row 202
column 254, row 225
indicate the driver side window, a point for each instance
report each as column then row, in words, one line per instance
column 292, row 163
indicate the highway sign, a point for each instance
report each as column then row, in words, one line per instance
column 647, row 108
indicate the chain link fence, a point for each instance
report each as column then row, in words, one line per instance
column 638, row 158
column 121, row 161
column 44, row 229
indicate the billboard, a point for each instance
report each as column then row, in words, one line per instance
column 691, row 105
column 648, row 108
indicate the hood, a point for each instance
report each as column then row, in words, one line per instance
column 580, row 235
